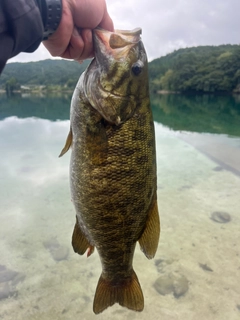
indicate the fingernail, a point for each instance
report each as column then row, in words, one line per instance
column 75, row 32
column 89, row 35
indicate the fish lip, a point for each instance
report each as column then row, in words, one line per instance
column 98, row 32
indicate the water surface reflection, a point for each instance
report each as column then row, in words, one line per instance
column 198, row 256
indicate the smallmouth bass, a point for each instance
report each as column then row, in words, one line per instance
column 113, row 165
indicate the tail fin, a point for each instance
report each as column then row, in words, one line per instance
column 127, row 293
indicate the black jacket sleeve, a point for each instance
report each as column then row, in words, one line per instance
column 21, row 28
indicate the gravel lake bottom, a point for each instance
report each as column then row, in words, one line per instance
column 195, row 273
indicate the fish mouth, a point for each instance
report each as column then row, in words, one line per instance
column 107, row 41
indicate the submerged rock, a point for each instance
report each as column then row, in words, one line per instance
column 51, row 243
column 8, row 280
column 220, row 216
column 2, row 267
column 19, row 278
column 60, row 253
column 205, row 267
column 162, row 264
column 172, row 283
column 218, row 168
column 7, row 275
column 6, row 291
column 57, row 251
column 164, row 285
column 180, row 286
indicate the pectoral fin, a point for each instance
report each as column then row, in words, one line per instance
column 150, row 237
column 80, row 243
column 67, row 144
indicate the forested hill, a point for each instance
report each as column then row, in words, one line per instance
column 197, row 69
column 201, row 69
column 46, row 72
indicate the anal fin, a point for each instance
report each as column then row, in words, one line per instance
column 79, row 241
column 67, row 144
column 127, row 293
column 150, row 237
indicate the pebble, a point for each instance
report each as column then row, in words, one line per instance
column 220, row 216
column 205, row 267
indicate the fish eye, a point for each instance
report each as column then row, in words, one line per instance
column 137, row 68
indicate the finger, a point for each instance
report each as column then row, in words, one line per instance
column 88, row 44
column 55, row 46
column 75, row 47
column 107, row 22
column 58, row 42
column 80, row 46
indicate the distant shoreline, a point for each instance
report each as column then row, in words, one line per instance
column 168, row 92
column 217, row 93
column 36, row 90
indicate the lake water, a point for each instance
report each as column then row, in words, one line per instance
column 196, row 271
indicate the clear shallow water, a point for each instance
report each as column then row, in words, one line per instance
column 198, row 174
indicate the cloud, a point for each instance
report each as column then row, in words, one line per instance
column 172, row 24
column 40, row 54
column 31, row 160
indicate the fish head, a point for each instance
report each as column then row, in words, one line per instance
column 117, row 79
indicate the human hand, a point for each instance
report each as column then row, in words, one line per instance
column 73, row 37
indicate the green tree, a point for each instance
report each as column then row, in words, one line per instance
column 71, row 83
column 197, row 69
column 11, row 85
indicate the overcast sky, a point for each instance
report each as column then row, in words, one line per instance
column 171, row 24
